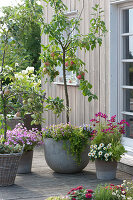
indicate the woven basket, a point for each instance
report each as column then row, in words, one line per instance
column 8, row 168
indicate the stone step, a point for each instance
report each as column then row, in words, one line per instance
column 126, row 164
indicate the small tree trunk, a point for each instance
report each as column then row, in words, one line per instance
column 3, row 100
column 65, row 87
column 5, row 118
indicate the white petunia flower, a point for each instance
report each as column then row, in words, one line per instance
column 18, row 76
column 30, row 69
column 113, row 193
column 89, row 154
column 106, row 155
column 100, row 153
column 16, row 64
column 24, row 72
column 101, row 145
column 93, row 154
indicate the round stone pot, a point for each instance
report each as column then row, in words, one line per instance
column 25, row 163
column 105, row 170
column 60, row 161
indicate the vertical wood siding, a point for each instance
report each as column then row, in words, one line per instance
column 97, row 64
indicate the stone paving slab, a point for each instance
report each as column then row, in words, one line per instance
column 43, row 182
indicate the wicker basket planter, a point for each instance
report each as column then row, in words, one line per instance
column 8, row 168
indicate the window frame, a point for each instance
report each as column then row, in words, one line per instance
column 70, row 14
column 116, row 66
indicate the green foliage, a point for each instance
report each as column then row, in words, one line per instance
column 117, row 151
column 56, row 105
column 25, row 96
column 64, row 40
column 78, row 137
column 7, row 149
column 103, row 193
column 20, row 34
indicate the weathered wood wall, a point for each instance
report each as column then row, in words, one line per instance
column 97, row 64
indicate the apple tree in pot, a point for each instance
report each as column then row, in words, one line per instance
column 65, row 38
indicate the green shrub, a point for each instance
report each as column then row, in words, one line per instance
column 103, row 193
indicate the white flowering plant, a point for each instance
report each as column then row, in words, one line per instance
column 101, row 152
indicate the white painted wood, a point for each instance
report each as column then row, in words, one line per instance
column 120, row 1
column 118, row 61
column 127, row 113
column 126, row 34
column 114, row 60
column 127, row 60
column 102, row 71
column 127, row 87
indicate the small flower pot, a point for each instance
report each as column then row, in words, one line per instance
column 60, row 161
column 105, row 170
column 25, row 163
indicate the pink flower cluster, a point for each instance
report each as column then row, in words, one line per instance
column 111, row 124
column 80, row 193
column 20, row 135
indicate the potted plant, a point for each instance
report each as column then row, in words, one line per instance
column 29, row 138
column 106, row 148
column 66, row 147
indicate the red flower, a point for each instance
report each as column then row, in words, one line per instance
column 112, row 185
column 79, row 188
column 88, row 195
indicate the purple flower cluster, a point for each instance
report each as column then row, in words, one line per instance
column 20, row 135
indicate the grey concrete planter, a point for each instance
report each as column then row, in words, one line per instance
column 25, row 163
column 105, row 170
column 61, row 162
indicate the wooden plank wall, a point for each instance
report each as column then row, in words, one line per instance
column 97, row 64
